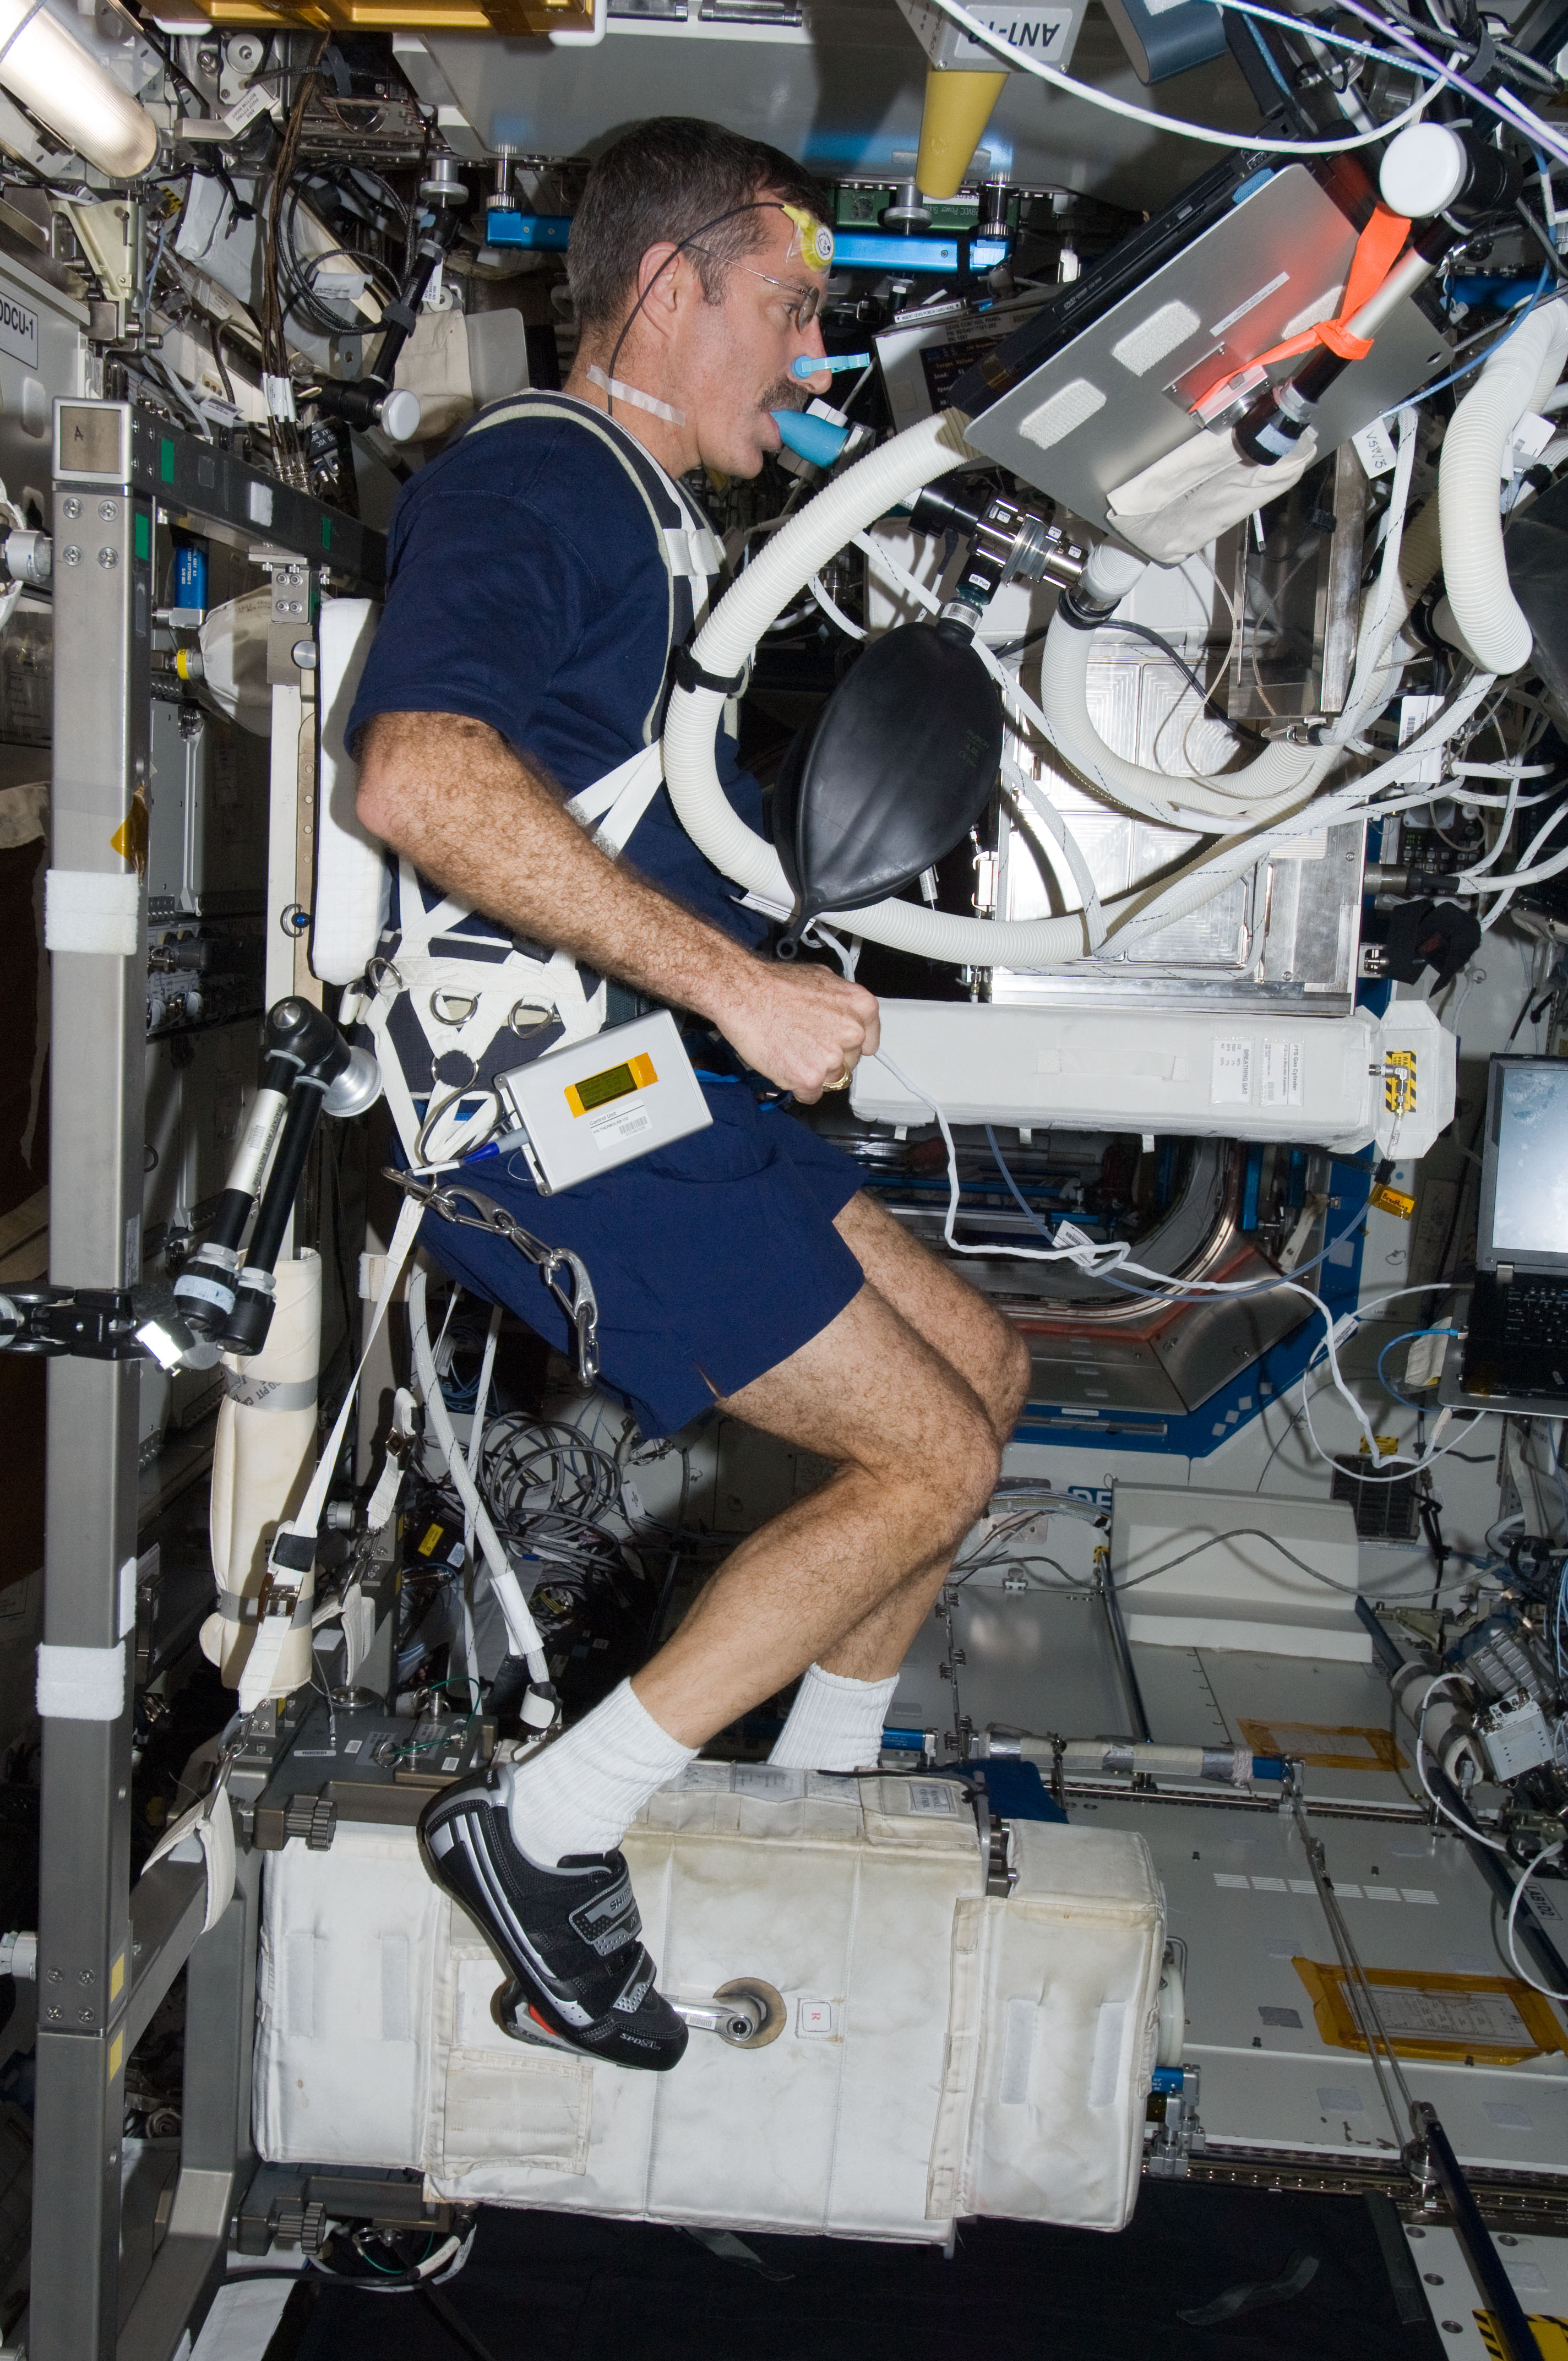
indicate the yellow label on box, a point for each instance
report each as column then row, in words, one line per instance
column 117, row 1977
column 432, row 1538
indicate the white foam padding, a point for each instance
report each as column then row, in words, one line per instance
column 947, row 2053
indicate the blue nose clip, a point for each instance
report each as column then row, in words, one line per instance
column 815, row 440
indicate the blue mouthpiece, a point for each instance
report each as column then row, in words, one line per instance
column 815, row 440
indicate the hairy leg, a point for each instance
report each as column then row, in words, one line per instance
column 916, row 1455
column 959, row 1324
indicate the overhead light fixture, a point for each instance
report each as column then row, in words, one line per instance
column 63, row 84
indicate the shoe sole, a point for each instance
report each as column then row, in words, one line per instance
column 548, row 2032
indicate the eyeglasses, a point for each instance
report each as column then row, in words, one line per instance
column 804, row 302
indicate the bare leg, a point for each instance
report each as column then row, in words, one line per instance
column 958, row 1323
column 845, row 1576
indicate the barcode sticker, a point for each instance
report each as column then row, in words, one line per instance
column 616, row 1125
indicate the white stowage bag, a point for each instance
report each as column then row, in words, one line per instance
column 945, row 2053
column 263, row 1457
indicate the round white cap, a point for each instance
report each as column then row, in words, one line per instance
column 1424, row 168
column 400, row 417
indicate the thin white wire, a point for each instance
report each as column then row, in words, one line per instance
column 1539, row 1861
column 1115, row 1256
column 982, row 32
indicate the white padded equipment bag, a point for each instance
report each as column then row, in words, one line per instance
column 945, row 2053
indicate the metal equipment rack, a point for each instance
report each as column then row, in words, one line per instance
column 108, row 1953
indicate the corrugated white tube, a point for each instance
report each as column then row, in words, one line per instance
column 62, row 83
column 888, row 475
column 1277, row 778
column 263, row 1457
column 1518, row 377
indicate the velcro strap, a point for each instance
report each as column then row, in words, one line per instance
column 1339, row 340
column 694, row 555
column 689, row 674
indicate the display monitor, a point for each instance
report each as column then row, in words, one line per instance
column 1524, row 1169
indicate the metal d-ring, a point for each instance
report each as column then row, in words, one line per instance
column 441, row 1001
column 539, row 1017
column 377, row 969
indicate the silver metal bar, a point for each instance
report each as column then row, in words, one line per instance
column 103, row 608
column 169, row 1903
column 1379, row 2048
column 1132, row 1695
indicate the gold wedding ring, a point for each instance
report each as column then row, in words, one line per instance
column 841, row 1084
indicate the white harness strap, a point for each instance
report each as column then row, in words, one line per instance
column 465, row 988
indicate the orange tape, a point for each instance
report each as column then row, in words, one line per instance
column 1378, row 249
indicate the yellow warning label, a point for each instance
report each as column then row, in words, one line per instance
column 117, row 1977
column 1395, row 1201
column 1400, row 1081
column 1550, row 2334
column 117, row 2054
column 433, row 1537
column 1487, row 2020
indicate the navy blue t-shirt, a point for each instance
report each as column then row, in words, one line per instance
column 526, row 590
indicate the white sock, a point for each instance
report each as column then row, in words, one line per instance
column 835, row 1723
column 581, row 1793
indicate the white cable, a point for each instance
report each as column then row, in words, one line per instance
column 1552, row 1853
column 979, row 31
column 476, row 1457
column 831, row 609
column 1422, row 1749
column 1115, row 1256
column 522, row 1631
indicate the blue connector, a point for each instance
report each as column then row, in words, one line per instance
column 805, row 367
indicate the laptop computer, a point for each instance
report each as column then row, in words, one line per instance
column 1517, row 1347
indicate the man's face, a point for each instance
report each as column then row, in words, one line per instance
column 733, row 359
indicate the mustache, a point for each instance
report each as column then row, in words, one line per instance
column 785, row 393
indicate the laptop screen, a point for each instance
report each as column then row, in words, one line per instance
column 1524, row 1173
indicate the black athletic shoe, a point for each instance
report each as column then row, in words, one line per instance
column 567, row 1937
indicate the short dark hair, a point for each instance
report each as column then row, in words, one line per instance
column 663, row 180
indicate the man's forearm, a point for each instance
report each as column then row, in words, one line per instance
column 451, row 795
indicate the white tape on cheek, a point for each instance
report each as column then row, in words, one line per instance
column 92, row 911
column 82, row 1684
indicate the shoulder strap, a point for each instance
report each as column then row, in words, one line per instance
column 693, row 556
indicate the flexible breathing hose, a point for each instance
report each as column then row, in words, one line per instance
column 1281, row 779
column 885, row 479
column 1517, row 378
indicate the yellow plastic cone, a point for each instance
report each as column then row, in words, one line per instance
column 957, row 108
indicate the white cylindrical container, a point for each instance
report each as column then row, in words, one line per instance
column 262, row 1461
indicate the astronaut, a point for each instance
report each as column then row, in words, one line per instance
column 525, row 650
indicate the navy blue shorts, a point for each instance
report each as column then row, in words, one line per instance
column 712, row 1261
